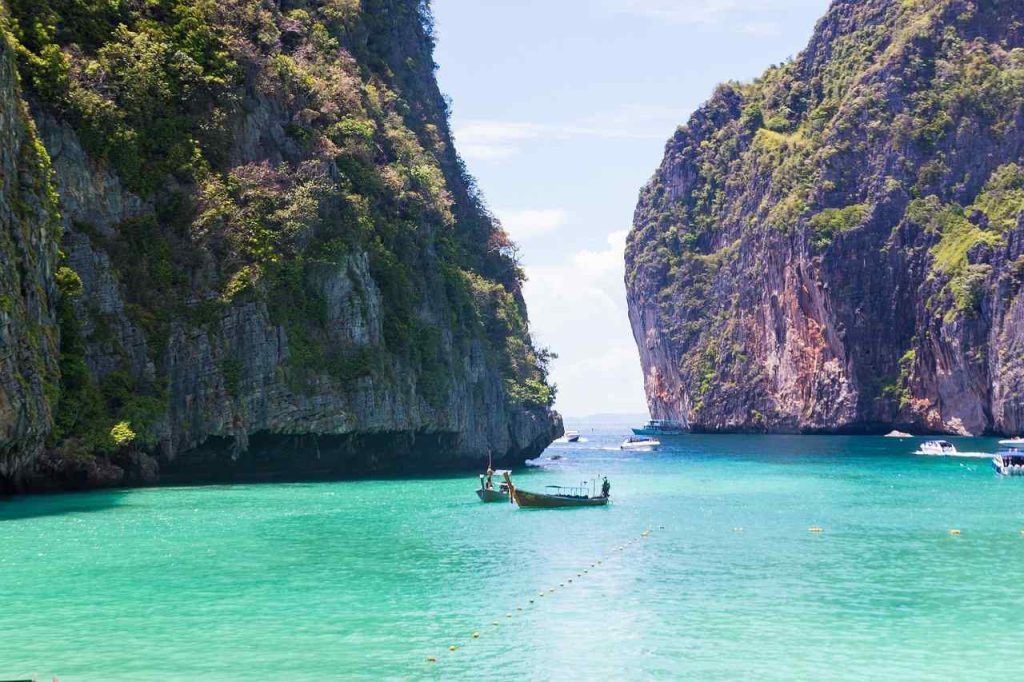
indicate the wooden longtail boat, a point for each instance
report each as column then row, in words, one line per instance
column 558, row 497
column 544, row 501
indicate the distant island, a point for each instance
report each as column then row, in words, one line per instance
column 240, row 240
column 838, row 246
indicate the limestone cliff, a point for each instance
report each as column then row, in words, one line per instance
column 283, row 265
column 29, row 229
column 839, row 245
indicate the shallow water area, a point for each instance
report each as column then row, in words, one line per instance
column 367, row 579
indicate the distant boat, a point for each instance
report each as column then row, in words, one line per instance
column 557, row 496
column 1009, row 462
column 572, row 436
column 1012, row 441
column 937, row 447
column 640, row 443
column 660, row 427
column 489, row 494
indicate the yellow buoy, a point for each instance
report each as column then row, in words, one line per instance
column 954, row 531
column 570, row 579
column 531, row 601
column 519, row 608
column 431, row 659
column 816, row 529
column 737, row 530
column 508, row 615
column 494, row 622
column 452, row 648
column 476, row 635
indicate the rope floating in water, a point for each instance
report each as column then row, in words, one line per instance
column 476, row 635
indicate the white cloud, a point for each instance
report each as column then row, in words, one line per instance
column 680, row 11
column 532, row 222
column 762, row 29
column 490, row 140
column 577, row 307
column 707, row 12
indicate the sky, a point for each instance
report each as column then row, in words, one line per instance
column 561, row 110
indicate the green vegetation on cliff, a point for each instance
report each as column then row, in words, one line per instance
column 269, row 146
column 860, row 200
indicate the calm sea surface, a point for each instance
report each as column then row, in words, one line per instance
column 367, row 579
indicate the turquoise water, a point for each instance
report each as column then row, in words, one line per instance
column 366, row 579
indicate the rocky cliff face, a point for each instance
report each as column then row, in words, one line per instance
column 839, row 245
column 279, row 263
column 29, row 229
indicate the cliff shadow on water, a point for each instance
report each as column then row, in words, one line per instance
column 273, row 457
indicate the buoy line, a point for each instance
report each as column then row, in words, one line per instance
column 452, row 648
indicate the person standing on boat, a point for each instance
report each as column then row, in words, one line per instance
column 490, row 479
column 606, row 487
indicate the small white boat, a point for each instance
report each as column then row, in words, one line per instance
column 1012, row 441
column 572, row 436
column 640, row 443
column 937, row 447
column 898, row 434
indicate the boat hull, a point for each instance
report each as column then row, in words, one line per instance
column 1007, row 470
column 491, row 495
column 530, row 500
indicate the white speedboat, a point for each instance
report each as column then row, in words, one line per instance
column 1012, row 441
column 937, row 447
column 572, row 436
column 640, row 443
column 1009, row 462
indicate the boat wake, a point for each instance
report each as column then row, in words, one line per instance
column 955, row 455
